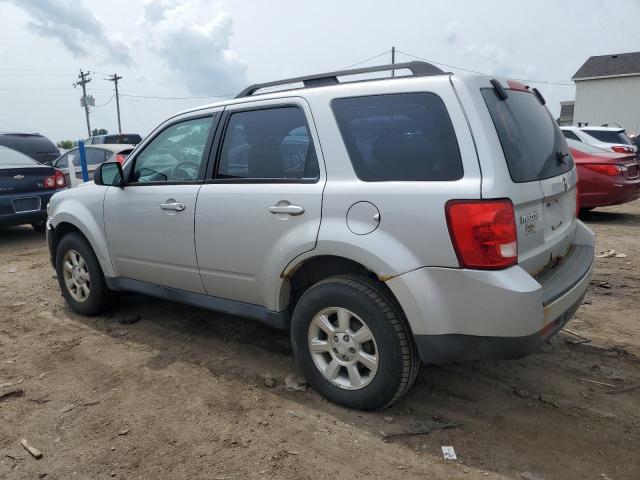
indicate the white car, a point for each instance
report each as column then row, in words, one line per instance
column 96, row 155
column 607, row 138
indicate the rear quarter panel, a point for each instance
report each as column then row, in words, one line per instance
column 412, row 231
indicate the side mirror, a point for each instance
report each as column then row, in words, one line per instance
column 109, row 174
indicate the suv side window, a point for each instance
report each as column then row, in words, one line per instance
column 571, row 135
column 175, row 154
column 399, row 137
column 268, row 143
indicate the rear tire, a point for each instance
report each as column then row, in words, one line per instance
column 583, row 212
column 363, row 354
column 39, row 226
column 80, row 276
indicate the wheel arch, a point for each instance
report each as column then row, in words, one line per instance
column 304, row 273
column 65, row 223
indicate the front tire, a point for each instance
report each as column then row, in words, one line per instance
column 352, row 343
column 80, row 276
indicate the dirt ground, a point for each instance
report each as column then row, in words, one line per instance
column 181, row 393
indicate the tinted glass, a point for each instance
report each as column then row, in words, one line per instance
column 11, row 157
column 399, row 137
column 609, row 136
column 175, row 154
column 122, row 139
column 532, row 142
column 271, row 143
column 38, row 147
column 571, row 135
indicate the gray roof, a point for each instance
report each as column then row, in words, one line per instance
column 610, row 66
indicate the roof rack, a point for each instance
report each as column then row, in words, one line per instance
column 331, row 78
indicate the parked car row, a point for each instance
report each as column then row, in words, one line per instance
column 26, row 187
column 607, row 138
column 32, row 169
column 604, row 177
column 95, row 155
column 607, row 166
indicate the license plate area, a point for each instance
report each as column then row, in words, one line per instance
column 24, row 205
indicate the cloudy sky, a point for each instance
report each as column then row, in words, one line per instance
column 200, row 48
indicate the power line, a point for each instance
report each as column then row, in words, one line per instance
column 176, row 98
column 367, row 60
column 105, row 103
column 550, row 82
column 47, row 89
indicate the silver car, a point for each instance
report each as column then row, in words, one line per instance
column 427, row 217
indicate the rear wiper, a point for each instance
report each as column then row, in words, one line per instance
column 560, row 156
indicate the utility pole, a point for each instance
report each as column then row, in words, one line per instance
column 114, row 78
column 393, row 60
column 83, row 80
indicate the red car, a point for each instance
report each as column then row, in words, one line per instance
column 604, row 178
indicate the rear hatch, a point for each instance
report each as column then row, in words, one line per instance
column 542, row 176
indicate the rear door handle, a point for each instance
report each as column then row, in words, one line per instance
column 287, row 209
column 175, row 206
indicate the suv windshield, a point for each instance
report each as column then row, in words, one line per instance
column 533, row 145
column 609, row 136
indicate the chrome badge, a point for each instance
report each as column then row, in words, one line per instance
column 18, row 177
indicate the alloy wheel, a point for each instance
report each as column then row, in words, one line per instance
column 343, row 348
column 76, row 276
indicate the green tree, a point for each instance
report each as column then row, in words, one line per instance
column 98, row 131
column 66, row 144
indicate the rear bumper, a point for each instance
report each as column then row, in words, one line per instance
column 610, row 191
column 8, row 217
column 458, row 314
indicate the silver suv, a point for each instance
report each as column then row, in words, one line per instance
column 384, row 221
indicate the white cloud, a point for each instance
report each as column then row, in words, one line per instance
column 75, row 26
column 192, row 36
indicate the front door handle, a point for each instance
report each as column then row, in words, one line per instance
column 175, row 206
column 287, row 209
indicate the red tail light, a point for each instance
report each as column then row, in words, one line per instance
column 120, row 158
column 483, row 233
column 604, row 168
column 620, row 149
column 55, row 181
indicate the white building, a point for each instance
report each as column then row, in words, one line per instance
column 608, row 91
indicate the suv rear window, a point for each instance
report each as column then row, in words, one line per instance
column 122, row 139
column 532, row 142
column 570, row 135
column 609, row 136
column 401, row 137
